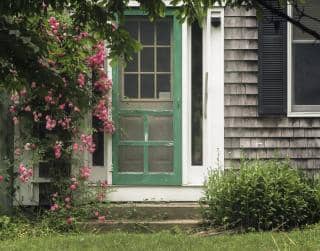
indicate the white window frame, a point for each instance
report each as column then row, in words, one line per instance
column 314, row 109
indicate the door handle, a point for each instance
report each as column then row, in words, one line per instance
column 205, row 95
column 178, row 104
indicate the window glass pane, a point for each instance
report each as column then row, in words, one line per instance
column 160, row 127
column 163, row 60
column 45, row 193
column 306, row 74
column 147, row 86
column 147, row 60
column 311, row 8
column 147, row 33
column 196, row 112
column 132, row 27
column 44, row 169
column 132, row 66
column 131, row 128
column 163, row 86
column 98, row 139
column 163, row 33
column 160, row 159
column 97, row 156
column 130, row 86
column 130, row 159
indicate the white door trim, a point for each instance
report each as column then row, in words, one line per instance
column 156, row 193
column 213, row 97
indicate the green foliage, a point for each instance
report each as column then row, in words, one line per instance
column 20, row 227
column 39, row 222
column 21, row 47
column 262, row 195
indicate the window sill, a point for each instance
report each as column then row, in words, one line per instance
column 304, row 114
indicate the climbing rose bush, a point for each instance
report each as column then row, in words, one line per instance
column 51, row 115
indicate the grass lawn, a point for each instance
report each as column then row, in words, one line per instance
column 295, row 240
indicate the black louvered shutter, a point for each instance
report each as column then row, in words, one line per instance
column 272, row 79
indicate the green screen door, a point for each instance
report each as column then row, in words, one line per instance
column 147, row 105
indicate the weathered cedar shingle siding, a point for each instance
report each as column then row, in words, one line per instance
column 247, row 134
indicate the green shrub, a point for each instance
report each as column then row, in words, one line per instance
column 261, row 195
column 18, row 227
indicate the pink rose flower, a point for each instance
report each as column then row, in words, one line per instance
column 17, row 151
column 51, row 123
column 12, row 109
column 85, row 172
column 54, row 24
column 24, row 173
column 15, row 98
column 87, row 142
column 75, row 147
column 69, row 220
column 102, row 219
column 54, row 207
column 62, row 106
column 104, row 184
column 103, row 84
column 81, row 80
column 57, row 149
column 15, row 120
column 97, row 60
column 55, row 195
column 27, row 108
column 73, row 187
column 67, row 199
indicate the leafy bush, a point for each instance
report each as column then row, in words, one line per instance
column 262, row 195
column 12, row 228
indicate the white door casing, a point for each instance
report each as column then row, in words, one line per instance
column 213, row 101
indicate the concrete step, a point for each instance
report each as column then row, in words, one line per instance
column 190, row 225
column 154, row 211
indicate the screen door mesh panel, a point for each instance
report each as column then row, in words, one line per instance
column 160, row 159
column 131, row 128
column 160, row 127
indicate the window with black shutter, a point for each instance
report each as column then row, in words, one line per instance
column 289, row 63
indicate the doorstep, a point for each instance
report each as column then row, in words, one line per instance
column 156, row 193
column 149, row 217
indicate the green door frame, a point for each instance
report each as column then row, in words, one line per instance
column 145, row 178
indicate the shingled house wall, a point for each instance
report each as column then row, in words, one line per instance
column 247, row 134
